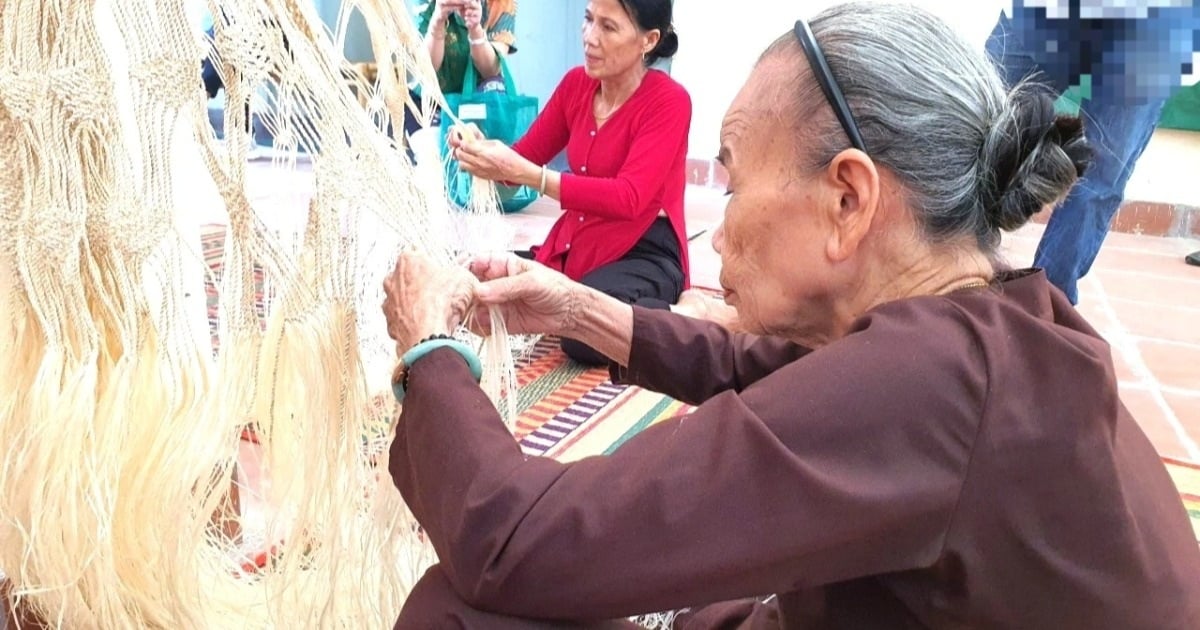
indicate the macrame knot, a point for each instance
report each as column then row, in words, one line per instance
column 26, row 94
column 51, row 235
column 245, row 48
column 85, row 94
column 12, row 177
column 141, row 230
column 82, row 91
column 172, row 80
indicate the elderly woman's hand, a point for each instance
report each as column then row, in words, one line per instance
column 532, row 298
column 423, row 298
column 490, row 159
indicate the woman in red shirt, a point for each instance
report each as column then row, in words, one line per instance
column 625, row 129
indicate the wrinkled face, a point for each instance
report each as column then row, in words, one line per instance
column 772, row 242
column 612, row 42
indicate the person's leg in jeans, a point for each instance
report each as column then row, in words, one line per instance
column 1009, row 46
column 1118, row 133
column 649, row 276
column 1130, row 75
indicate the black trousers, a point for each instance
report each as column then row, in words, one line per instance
column 649, row 275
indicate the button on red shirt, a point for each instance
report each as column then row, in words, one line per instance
column 623, row 175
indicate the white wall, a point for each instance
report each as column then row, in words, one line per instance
column 718, row 47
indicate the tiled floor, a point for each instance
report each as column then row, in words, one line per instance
column 1140, row 295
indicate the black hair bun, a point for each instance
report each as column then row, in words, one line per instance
column 667, row 46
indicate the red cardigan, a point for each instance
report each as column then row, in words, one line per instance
column 622, row 174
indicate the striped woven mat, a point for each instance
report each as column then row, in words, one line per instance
column 568, row 412
column 1187, row 479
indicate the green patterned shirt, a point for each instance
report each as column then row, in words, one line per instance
column 458, row 48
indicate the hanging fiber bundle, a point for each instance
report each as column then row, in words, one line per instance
column 119, row 485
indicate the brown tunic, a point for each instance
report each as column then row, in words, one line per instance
column 960, row 461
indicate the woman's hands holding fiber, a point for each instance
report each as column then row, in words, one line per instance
column 490, row 159
column 532, row 298
column 424, row 298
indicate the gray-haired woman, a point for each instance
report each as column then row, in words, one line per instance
column 912, row 437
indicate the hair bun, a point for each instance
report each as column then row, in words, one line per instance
column 667, row 46
column 1032, row 157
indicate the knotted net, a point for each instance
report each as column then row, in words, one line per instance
column 120, row 427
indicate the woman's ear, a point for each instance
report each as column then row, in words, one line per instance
column 652, row 36
column 854, row 180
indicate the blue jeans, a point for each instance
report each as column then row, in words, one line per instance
column 1118, row 131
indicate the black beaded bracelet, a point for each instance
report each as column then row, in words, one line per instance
column 404, row 370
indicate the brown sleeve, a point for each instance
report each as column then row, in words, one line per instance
column 842, row 464
column 693, row 360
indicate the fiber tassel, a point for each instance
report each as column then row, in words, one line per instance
column 121, row 423
column 500, row 376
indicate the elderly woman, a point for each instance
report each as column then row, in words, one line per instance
column 915, row 437
column 625, row 128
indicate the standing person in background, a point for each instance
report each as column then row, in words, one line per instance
column 458, row 32
column 625, row 128
column 1135, row 56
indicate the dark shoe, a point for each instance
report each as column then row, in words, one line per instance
column 1193, row 259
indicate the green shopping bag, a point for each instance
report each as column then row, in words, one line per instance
column 503, row 116
column 1069, row 103
column 1183, row 110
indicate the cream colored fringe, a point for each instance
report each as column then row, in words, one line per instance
column 120, row 429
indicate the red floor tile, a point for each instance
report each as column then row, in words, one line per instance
column 1121, row 368
column 1154, row 321
column 1160, row 245
column 1187, row 411
column 1153, row 421
column 1143, row 261
column 1095, row 312
column 1154, row 289
column 1173, row 365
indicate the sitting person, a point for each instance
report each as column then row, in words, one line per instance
column 918, row 437
column 461, row 32
column 625, row 128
